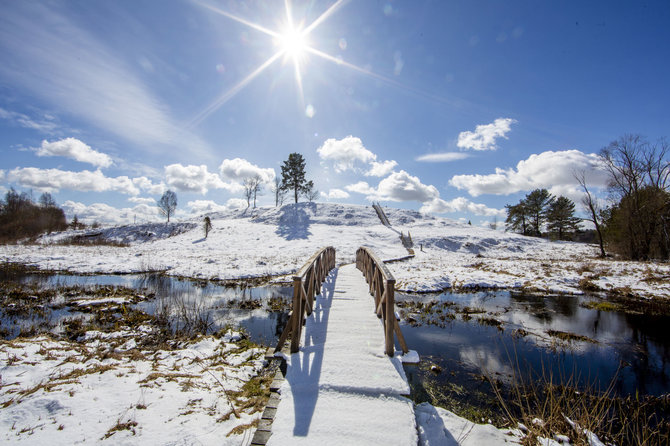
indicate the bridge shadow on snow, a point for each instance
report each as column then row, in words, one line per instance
column 294, row 222
column 304, row 376
column 436, row 429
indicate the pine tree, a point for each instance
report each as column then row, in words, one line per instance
column 561, row 217
column 293, row 175
column 537, row 203
column 517, row 218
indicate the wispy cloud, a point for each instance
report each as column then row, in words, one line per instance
column 485, row 135
column 45, row 124
column 443, row 157
column 51, row 57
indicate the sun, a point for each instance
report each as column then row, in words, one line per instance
column 293, row 43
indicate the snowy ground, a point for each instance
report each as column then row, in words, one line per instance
column 104, row 389
column 273, row 241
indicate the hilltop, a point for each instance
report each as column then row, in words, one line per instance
column 275, row 241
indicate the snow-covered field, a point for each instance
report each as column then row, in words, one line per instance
column 105, row 389
column 273, row 241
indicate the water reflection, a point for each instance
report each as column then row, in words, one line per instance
column 184, row 302
column 634, row 350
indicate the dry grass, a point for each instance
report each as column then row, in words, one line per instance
column 549, row 405
column 569, row 337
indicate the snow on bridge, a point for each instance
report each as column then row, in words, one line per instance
column 341, row 388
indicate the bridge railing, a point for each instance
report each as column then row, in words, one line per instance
column 306, row 284
column 382, row 288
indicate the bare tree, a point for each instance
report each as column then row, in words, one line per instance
column 639, row 174
column 310, row 191
column 494, row 224
column 167, row 204
column 280, row 193
column 46, row 200
column 253, row 186
column 593, row 208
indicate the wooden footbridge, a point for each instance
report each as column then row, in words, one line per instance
column 344, row 381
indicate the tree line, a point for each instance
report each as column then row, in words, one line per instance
column 635, row 222
column 21, row 217
column 539, row 211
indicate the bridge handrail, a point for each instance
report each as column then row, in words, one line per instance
column 306, row 284
column 382, row 288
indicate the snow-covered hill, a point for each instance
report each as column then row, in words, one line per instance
column 276, row 241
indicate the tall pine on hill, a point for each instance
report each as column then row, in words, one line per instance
column 293, row 175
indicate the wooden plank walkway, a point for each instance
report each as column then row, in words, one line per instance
column 341, row 388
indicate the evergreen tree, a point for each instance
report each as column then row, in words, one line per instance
column 517, row 218
column 537, row 204
column 293, row 175
column 561, row 217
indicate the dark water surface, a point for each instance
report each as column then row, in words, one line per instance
column 211, row 300
column 630, row 351
column 633, row 351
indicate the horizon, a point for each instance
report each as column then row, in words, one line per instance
column 452, row 109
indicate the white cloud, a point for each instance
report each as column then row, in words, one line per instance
column 2, row 175
column 444, row 157
column 109, row 215
column 193, row 178
column 46, row 125
column 142, row 200
column 348, row 152
column 204, row 206
column 236, row 203
column 401, row 186
column 360, row 188
column 460, row 204
column 335, row 194
column 551, row 170
column 485, row 135
column 75, row 149
column 381, row 169
column 52, row 180
column 148, row 186
column 345, row 153
column 238, row 169
column 49, row 55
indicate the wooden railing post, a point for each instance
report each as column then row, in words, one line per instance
column 389, row 316
column 297, row 314
column 382, row 288
column 306, row 284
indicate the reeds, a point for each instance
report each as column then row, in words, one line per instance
column 546, row 405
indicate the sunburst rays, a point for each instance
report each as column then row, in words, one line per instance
column 293, row 44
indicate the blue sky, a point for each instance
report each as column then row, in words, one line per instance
column 454, row 108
